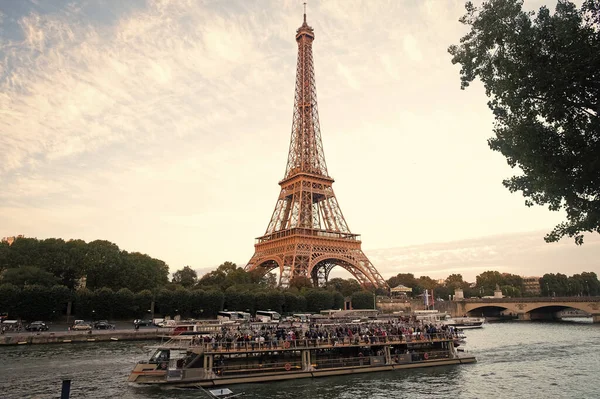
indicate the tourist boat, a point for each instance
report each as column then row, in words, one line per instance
column 207, row 364
column 464, row 322
column 437, row 317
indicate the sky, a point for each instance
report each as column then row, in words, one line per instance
column 163, row 126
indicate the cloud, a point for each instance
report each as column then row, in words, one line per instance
column 520, row 253
column 348, row 76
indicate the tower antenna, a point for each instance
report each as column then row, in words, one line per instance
column 304, row 12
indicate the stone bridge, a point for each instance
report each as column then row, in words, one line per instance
column 526, row 308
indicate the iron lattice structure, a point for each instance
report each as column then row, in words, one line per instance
column 308, row 235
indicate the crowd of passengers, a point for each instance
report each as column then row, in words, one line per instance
column 277, row 335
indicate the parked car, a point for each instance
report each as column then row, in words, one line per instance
column 142, row 322
column 103, row 325
column 37, row 326
column 81, row 326
column 167, row 323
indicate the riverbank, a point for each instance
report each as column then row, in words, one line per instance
column 69, row 337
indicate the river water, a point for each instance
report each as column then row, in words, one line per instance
column 515, row 359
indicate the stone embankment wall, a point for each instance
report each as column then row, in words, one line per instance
column 393, row 305
column 67, row 338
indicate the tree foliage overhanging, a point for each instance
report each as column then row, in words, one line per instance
column 541, row 72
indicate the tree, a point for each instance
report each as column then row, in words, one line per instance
column 9, row 299
column 455, row 281
column 363, row 300
column 125, row 304
column 33, row 303
column 407, row 280
column 345, row 287
column 187, row 277
column 318, row 299
column 487, row 282
column 542, row 74
column 28, row 275
column 4, row 250
column 554, row 284
column 226, row 275
column 293, row 303
column 59, row 296
column 300, row 282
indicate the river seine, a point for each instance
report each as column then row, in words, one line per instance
column 516, row 359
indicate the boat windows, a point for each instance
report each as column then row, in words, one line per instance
column 161, row 355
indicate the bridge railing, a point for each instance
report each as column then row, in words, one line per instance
column 534, row 299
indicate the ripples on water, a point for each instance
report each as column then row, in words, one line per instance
column 518, row 359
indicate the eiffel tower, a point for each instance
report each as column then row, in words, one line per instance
column 308, row 235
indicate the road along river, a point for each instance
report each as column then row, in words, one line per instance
column 515, row 359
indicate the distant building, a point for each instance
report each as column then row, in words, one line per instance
column 400, row 290
column 12, row 239
column 441, row 281
column 531, row 285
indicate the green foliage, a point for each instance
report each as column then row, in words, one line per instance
column 407, row 280
column 125, row 304
column 182, row 302
column 59, row 297
column 84, row 303
column 28, row 275
column 510, row 284
column 363, row 300
column 233, row 299
column 488, row 281
column 9, row 299
column 541, row 72
column 225, row 276
column 455, row 281
column 4, row 248
column 197, row 302
column 165, row 304
column 293, row 303
column 143, row 272
column 344, row 287
column 426, row 283
column 301, row 283
column 34, row 303
column 248, row 300
column 584, row 284
column 270, row 300
column 104, row 303
column 52, row 261
column 214, row 301
column 317, row 300
column 338, row 300
column 142, row 304
column 186, row 277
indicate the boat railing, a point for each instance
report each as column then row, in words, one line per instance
column 233, row 345
column 355, row 361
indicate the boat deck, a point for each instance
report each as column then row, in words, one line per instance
column 225, row 346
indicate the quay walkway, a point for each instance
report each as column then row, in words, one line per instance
column 67, row 337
